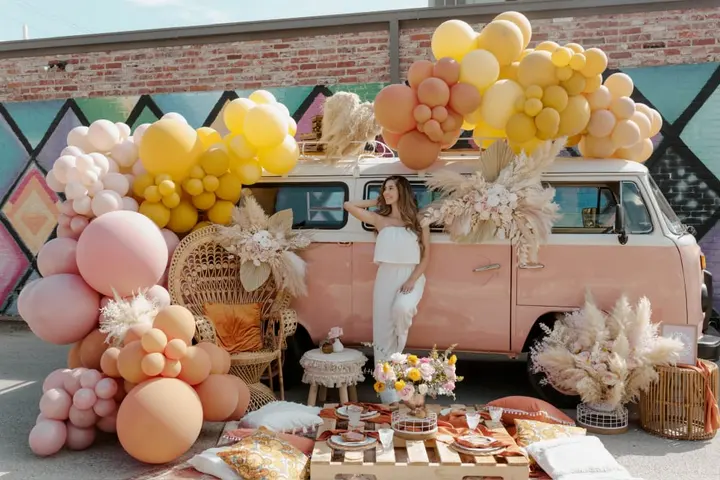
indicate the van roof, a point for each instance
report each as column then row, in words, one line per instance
column 384, row 166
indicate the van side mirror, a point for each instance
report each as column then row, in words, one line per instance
column 620, row 224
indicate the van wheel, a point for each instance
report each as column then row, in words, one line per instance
column 297, row 345
column 548, row 393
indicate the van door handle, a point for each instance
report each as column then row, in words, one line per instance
column 532, row 266
column 492, row 266
column 344, row 244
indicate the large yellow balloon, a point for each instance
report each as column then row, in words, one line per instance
column 262, row 97
column 221, row 212
column 479, row 68
column 281, row 159
column 241, row 148
column 157, row 212
column 454, row 39
column 170, row 146
column 595, row 62
column 498, row 103
column 235, row 112
column 537, row 69
column 182, row 218
column 230, row 188
column 575, row 117
column 521, row 22
column 520, row 128
column 215, row 161
column 265, row 126
column 208, row 136
column 249, row 172
column 503, row 39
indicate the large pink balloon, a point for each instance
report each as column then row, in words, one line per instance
column 55, row 404
column 47, row 437
column 57, row 256
column 60, row 309
column 56, row 379
column 122, row 251
column 79, row 438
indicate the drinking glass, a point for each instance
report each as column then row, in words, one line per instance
column 495, row 413
column 354, row 413
column 473, row 420
column 386, row 438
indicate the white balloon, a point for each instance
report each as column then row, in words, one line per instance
column 82, row 205
column 124, row 130
column 61, row 167
column 174, row 116
column 103, row 135
column 130, row 178
column 112, row 166
column 78, row 137
column 125, row 153
column 139, row 132
column 138, row 168
column 73, row 175
column 53, row 183
column 101, row 162
column 84, row 162
column 106, row 201
column 71, row 150
column 117, row 183
column 95, row 188
column 130, row 203
column 283, row 109
column 89, row 177
column 75, row 190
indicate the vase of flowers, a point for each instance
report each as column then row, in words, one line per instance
column 415, row 378
column 334, row 338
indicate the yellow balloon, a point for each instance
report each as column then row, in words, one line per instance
column 221, row 212
column 643, row 123
column 141, row 182
column 555, row 97
column 262, row 97
column 574, row 140
column 498, row 103
column 592, row 84
column 265, row 126
column 170, row 146
column 527, row 147
column 561, row 57
column 578, row 61
column 241, row 148
column 204, row 201
column 534, row 91
column 564, row 73
column 475, row 117
column 210, row 183
column 157, row 212
column 161, row 178
column 208, row 136
column 230, row 188
column 575, row 117
column 625, row 134
column 197, row 172
column 480, row 69
column 281, row 159
column 249, row 172
column 575, row 47
column 537, row 69
column 454, row 39
column 467, row 126
column 520, row 128
column 623, row 107
column 166, row 187
column 620, row 85
column 484, row 135
column 172, row 200
column 657, row 122
column 292, row 126
column 600, row 99
column 521, row 22
column 503, row 39
column 595, row 62
column 215, row 161
column 202, row 224
column 235, row 112
column 152, row 194
column 547, row 46
column 548, row 122
column 193, row 186
column 647, row 150
column 596, row 147
column 509, row 72
column 183, row 217
column 533, row 106
column 575, row 84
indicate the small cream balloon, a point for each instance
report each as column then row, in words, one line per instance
column 74, row 190
column 82, row 205
column 53, row 183
column 78, row 137
column 72, row 151
column 103, row 135
column 117, row 183
column 174, row 116
column 129, row 203
column 101, row 162
column 125, row 153
column 139, row 132
column 106, row 201
column 124, row 130
column 62, row 165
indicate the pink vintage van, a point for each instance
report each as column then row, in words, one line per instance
column 617, row 234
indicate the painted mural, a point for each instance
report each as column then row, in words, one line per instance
column 685, row 164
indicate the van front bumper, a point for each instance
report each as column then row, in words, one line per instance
column 709, row 343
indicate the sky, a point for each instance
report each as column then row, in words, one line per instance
column 59, row 18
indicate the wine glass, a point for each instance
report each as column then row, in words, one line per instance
column 495, row 413
column 354, row 413
column 473, row 420
column 386, row 438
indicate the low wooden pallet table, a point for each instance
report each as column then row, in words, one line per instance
column 424, row 460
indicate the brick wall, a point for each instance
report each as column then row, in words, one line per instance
column 657, row 38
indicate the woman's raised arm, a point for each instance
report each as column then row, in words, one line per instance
column 360, row 211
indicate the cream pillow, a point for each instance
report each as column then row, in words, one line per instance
column 285, row 417
column 209, row 463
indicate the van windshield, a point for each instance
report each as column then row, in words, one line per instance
column 671, row 218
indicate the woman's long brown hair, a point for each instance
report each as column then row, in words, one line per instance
column 407, row 206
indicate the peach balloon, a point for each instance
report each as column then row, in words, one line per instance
column 108, row 362
column 391, row 139
column 159, row 420
column 419, row 71
column 72, row 380
column 129, row 362
column 90, row 378
column 243, row 401
column 84, row 399
column 417, row 151
column 60, row 309
column 82, row 418
column 136, row 332
column 602, row 123
column 106, row 388
column 55, row 404
column 56, row 379
column 154, row 341
column 79, row 438
column 464, row 98
column 394, row 107
column 176, row 322
column 92, row 348
column 448, row 70
column 153, row 364
column 433, row 92
column 73, row 360
column 176, row 349
column 105, row 407
column 47, row 437
column 122, row 251
column 219, row 357
column 195, row 366
column 626, row 134
column 57, row 256
column 107, row 424
column 172, row 368
column 218, row 397
column 128, row 386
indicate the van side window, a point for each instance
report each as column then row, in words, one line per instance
column 423, row 196
column 637, row 216
column 585, row 209
column 314, row 205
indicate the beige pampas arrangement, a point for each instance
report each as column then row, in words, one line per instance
column 347, row 125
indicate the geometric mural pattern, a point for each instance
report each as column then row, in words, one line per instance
column 685, row 163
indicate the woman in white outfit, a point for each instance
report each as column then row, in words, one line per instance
column 402, row 252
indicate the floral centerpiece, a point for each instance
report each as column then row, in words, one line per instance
column 332, row 341
column 266, row 246
column 607, row 359
column 503, row 199
column 415, row 377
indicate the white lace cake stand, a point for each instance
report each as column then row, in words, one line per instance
column 341, row 370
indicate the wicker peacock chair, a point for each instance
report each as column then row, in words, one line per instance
column 203, row 272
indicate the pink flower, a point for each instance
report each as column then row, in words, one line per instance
column 449, row 386
column 407, row 392
column 378, row 374
column 427, row 371
column 449, row 372
column 335, row 332
column 425, row 360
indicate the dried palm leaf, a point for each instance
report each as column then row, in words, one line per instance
column 254, row 276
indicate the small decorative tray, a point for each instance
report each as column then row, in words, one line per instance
column 410, row 427
column 336, row 442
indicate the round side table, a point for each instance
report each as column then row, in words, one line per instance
column 341, row 370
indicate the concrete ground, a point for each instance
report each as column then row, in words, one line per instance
column 25, row 361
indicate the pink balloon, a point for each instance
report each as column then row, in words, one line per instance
column 171, row 240
column 64, row 231
column 55, row 404
column 90, row 378
column 66, row 208
column 108, row 424
column 79, row 438
column 82, row 418
column 57, row 256
column 47, row 437
column 78, row 223
column 84, row 399
column 56, row 379
column 104, row 301
column 160, row 295
column 122, row 251
column 60, row 309
column 106, row 388
column 105, row 408
column 64, row 220
column 72, row 381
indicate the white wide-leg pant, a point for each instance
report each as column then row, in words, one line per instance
column 393, row 313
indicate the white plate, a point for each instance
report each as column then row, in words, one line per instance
column 342, row 411
column 337, row 440
column 477, row 451
column 478, row 439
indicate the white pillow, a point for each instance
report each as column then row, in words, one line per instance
column 285, row 417
column 209, row 463
column 577, row 458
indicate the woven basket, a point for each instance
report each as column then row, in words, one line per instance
column 674, row 406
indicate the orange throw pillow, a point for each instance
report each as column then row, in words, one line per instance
column 528, row 408
column 237, row 327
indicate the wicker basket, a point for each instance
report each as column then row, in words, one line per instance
column 674, row 406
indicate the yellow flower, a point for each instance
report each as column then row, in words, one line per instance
column 386, row 368
column 414, row 375
column 399, row 385
column 412, row 359
column 452, row 360
column 379, row 387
